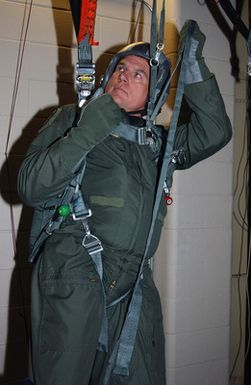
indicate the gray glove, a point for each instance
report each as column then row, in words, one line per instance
column 196, row 69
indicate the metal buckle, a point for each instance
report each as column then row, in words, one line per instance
column 92, row 244
column 80, row 211
column 142, row 138
column 85, row 81
column 81, row 217
column 49, row 228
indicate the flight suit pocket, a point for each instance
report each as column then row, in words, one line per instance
column 71, row 296
column 70, row 304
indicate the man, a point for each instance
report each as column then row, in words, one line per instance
column 75, row 295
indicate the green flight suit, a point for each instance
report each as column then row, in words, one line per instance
column 119, row 186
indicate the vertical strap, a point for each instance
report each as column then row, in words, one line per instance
column 153, row 64
column 162, row 23
column 177, row 105
column 129, row 334
column 156, row 46
column 154, row 32
column 103, row 336
column 122, row 351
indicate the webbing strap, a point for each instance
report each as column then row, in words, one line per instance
column 162, row 97
column 165, row 172
column 162, row 23
column 122, row 353
column 92, row 244
column 153, row 63
column 139, row 135
column 103, row 335
column 129, row 334
column 87, row 21
column 84, row 14
column 81, row 212
column 156, row 46
column 131, row 133
column 154, row 32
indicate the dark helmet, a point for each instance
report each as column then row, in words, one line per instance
column 142, row 49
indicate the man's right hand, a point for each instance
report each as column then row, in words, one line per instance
column 101, row 111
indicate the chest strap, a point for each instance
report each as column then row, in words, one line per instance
column 131, row 133
column 140, row 135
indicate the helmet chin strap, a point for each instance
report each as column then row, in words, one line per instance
column 139, row 113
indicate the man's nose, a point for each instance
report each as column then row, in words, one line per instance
column 123, row 76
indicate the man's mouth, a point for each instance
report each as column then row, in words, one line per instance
column 121, row 89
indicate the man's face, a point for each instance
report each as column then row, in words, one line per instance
column 129, row 83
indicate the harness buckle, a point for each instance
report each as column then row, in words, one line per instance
column 155, row 61
column 80, row 211
column 49, row 228
column 142, row 137
column 85, row 81
column 92, row 244
column 81, row 216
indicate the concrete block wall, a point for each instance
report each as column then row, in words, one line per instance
column 192, row 267
column 193, row 264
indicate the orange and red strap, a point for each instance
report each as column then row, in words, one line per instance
column 87, row 21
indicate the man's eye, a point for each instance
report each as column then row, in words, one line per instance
column 120, row 68
column 138, row 75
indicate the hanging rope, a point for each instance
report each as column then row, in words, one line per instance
column 140, row 12
column 22, row 43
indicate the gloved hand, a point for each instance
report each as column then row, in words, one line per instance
column 101, row 113
column 97, row 120
column 196, row 69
